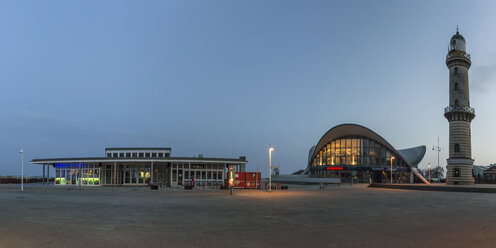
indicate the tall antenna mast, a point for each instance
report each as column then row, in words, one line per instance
column 438, row 148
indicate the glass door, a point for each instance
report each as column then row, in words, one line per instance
column 180, row 177
column 127, row 175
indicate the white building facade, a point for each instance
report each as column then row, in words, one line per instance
column 140, row 167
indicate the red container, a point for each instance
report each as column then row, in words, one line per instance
column 239, row 180
column 239, row 176
column 247, row 180
column 238, row 184
column 252, row 185
column 253, row 176
column 253, row 180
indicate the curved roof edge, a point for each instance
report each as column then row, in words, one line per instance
column 310, row 153
column 413, row 155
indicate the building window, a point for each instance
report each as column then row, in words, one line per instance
column 140, row 154
column 109, row 155
column 160, row 155
column 456, row 102
column 456, row 70
column 154, row 155
column 457, row 147
column 128, row 155
column 147, row 154
column 135, row 154
column 114, row 155
column 121, row 155
column 456, row 86
column 456, row 172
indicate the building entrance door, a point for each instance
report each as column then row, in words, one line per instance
column 377, row 177
column 180, row 177
column 177, row 177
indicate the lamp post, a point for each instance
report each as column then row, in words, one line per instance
column 22, row 169
column 392, row 158
column 270, row 167
column 438, row 149
column 429, row 166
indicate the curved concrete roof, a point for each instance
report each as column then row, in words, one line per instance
column 411, row 156
column 310, row 153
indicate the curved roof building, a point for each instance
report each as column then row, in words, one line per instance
column 354, row 152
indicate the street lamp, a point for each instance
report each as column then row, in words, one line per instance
column 392, row 158
column 429, row 166
column 270, row 167
column 22, row 169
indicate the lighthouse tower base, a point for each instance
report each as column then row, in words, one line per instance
column 460, row 171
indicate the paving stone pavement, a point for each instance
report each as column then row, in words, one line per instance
column 304, row 216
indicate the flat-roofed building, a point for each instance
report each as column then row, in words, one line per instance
column 140, row 166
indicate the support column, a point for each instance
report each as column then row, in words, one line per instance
column 48, row 176
column 43, row 174
column 224, row 172
column 115, row 174
column 151, row 174
column 171, row 170
column 184, row 169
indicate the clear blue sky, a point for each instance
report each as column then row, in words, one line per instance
column 228, row 78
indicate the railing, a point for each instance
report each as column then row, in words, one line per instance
column 458, row 54
column 459, row 108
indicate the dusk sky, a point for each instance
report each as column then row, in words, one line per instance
column 228, row 78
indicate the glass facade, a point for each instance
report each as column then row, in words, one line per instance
column 200, row 175
column 166, row 174
column 84, row 174
column 141, row 167
column 358, row 158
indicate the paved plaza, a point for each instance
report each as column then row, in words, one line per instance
column 304, row 216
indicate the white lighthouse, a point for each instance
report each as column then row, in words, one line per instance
column 459, row 114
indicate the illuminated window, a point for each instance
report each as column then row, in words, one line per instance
column 320, row 158
column 354, row 142
column 324, row 155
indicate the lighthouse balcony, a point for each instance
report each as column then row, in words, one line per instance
column 466, row 109
column 459, row 109
column 455, row 53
